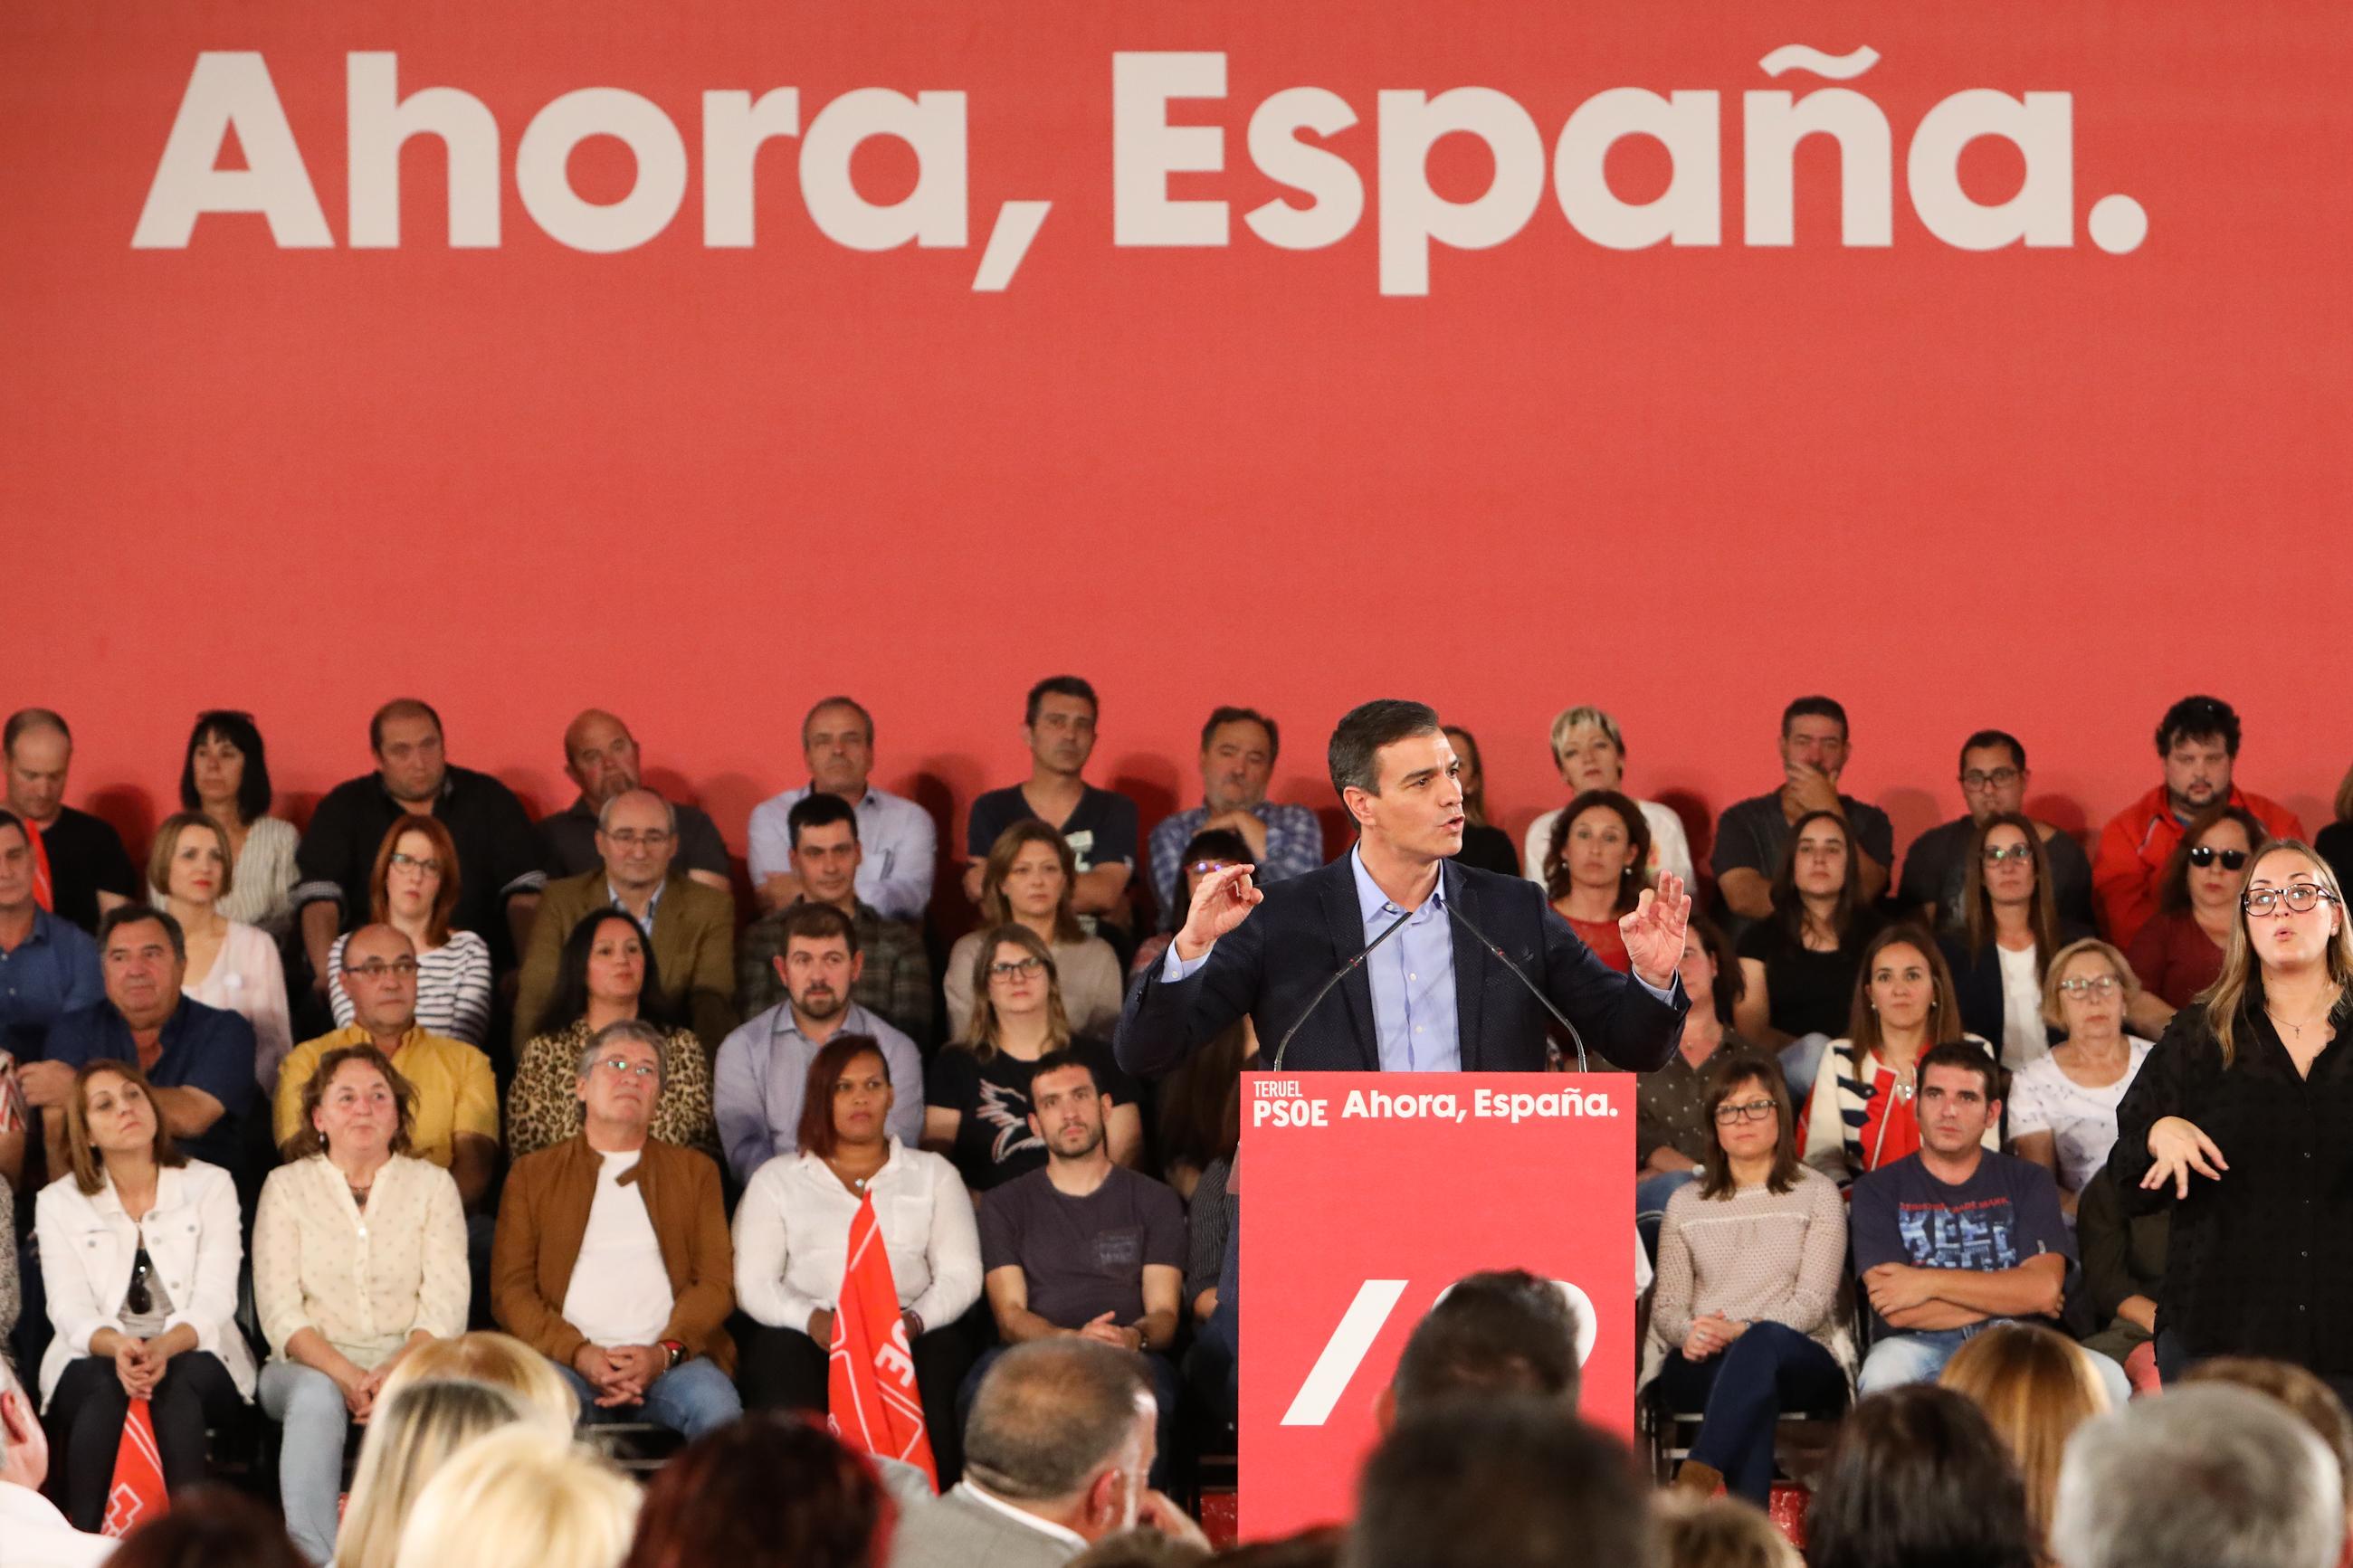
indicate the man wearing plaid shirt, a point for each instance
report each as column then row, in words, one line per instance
column 896, row 982
column 1239, row 746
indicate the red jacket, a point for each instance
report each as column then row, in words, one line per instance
column 2136, row 845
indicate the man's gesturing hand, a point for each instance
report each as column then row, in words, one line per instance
column 1652, row 932
column 1223, row 900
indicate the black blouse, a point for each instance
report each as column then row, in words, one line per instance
column 2262, row 1260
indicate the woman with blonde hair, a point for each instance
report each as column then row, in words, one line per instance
column 521, row 1496
column 419, row 1428
column 499, row 1361
column 1030, row 881
column 2035, row 1386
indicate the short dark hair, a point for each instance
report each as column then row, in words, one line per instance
column 1514, row 1482
column 25, row 721
column 1918, row 1475
column 1731, row 981
column 567, row 1003
column 309, row 1140
column 1726, row 1072
column 852, row 704
column 2197, row 719
column 1050, row 1413
column 1060, row 685
column 1354, row 756
column 1966, row 1055
column 815, row 922
column 1817, row 707
column 1061, row 1058
column 816, row 1134
column 1981, row 739
column 769, row 1487
column 1500, row 1331
column 210, row 1523
column 122, row 915
column 400, row 708
column 818, row 809
column 1209, row 843
column 10, row 819
column 253, row 793
column 1221, row 716
column 1789, row 908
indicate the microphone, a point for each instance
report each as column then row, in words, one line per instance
column 1338, row 974
column 1521, row 975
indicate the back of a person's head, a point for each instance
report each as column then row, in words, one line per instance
column 2035, row 1386
column 2301, row 1390
column 766, row 1491
column 414, row 1432
column 520, row 1497
column 1720, row 1533
column 1318, row 1547
column 1140, row 1547
column 1050, row 1416
column 2205, row 1477
column 1510, row 1482
column 1504, row 1332
column 1917, row 1479
column 208, row 1526
column 497, row 1360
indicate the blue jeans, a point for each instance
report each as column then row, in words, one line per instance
column 1918, row 1357
column 1743, row 1390
column 1651, row 1195
column 691, row 1399
column 307, row 1403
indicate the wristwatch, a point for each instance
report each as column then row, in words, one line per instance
column 676, row 1350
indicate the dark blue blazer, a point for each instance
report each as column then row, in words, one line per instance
column 1272, row 964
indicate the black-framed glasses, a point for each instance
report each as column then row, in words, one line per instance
column 1022, row 967
column 2301, row 897
column 139, row 1300
column 2091, row 985
column 1995, row 778
column 1745, row 1111
column 1995, row 854
column 2205, row 855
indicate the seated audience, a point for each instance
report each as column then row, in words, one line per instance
column 1797, row 964
column 612, row 1258
column 2335, row 842
column 2063, row 1106
column 1721, row 1532
column 499, row 1361
column 2035, row 1386
column 1993, row 781
column 454, row 1121
column 2124, row 1274
column 231, row 965
column 1098, row 826
column 2198, row 742
column 79, row 869
column 1199, row 1108
column 1672, row 1128
column 1752, row 835
column 414, row 889
column 139, row 1247
column 1060, row 1440
column 1746, row 1320
column 2010, row 928
column 1028, row 882
column 198, row 1059
column 601, row 756
column 1918, row 1476
column 496, row 858
column 32, row 1533
column 1085, row 1245
column 1510, row 1482
column 791, row 1245
column 48, row 967
column 213, row 1526
column 1590, row 753
column 895, row 973
column 225, row 775
column 979, row 1107
column 521, row 1496
column 605, row 971
column 766, row 1492
column 1862, row 1116
column 1500, row 1332
column 690, row 928
column 899, row 843
column 1594, row 869
column 2177, row 951
column 1484, row 846
column 1212, row 850
column 359, row 1255
column 764, row 1066
column 1239, row 747
column 2199, row 1477
column 413, row 1432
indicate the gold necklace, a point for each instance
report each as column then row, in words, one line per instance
column 2299, row 1028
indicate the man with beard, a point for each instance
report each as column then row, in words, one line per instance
column 601, row 756
column 1084, row 1247
column 763, row 1068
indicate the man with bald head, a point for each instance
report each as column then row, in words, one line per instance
column 601, row 756
column 689, row 927
column 79, row 869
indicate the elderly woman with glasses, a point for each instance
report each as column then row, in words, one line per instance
column 1745, row 1322
column 2062, row 1105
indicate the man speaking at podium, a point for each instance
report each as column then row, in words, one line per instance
column 1410, row 940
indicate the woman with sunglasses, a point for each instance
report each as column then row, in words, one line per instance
column 2236, row 1123
column 2179, row 951
column 2062, row 1105
column 1745, row 1324
column 2010, row 929
column 139, row 1247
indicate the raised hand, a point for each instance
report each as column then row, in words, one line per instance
column 2177, row 1146
column 1652, row 930
column 1223, row 900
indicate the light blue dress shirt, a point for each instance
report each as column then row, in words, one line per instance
column 899, row 846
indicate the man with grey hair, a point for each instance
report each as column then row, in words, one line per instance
column 32, row 1533
column 2208, row 1476
column 1056, row 1452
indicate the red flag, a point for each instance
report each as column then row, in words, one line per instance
column 137, row 1494
column 44, row 887
column 871, row 1387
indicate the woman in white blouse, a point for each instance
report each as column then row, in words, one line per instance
column 230, row 964
column 791, row 1245
column 225, row 775
column 414, row 889
column 1591, row 755
column 139, row 1247
column 358, row 1254
column 2062, row 1105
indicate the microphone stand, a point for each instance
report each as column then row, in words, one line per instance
column 1337, row 975
column 1534, row 989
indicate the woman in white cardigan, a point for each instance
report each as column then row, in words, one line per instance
column 140, row 1248
column 791, row 1245
column 359, row 1254
column 231, row 965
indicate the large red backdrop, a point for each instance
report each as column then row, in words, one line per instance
column 2050, row 485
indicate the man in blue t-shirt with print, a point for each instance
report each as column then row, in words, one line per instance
column 1957, row 1237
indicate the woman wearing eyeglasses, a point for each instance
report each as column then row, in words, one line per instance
column 414, row 889
column 977, row 1094
column 139, row 1247
column 359, row 1253
column 2179, row 951
column 2237, row 1123
column 1029, row 881
column 2011, row 928
column 1745, row 1324
column 2062, row 1105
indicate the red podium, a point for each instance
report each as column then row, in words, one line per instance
column 1362, row 1196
